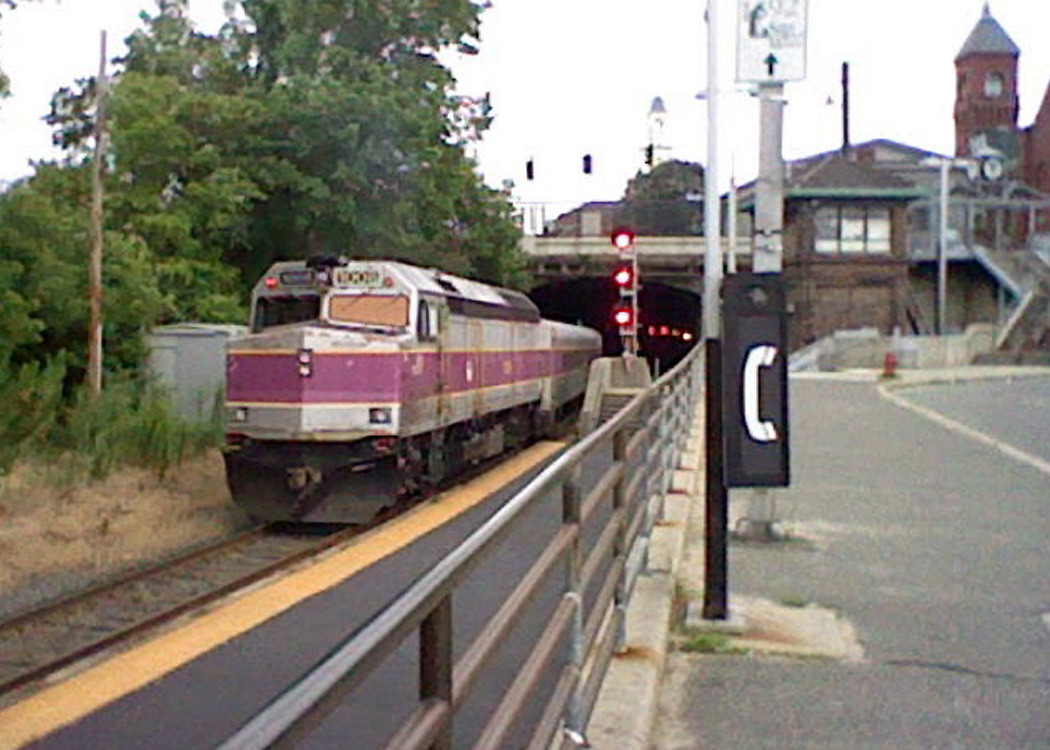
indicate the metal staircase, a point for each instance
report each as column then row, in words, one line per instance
column 1027, row 276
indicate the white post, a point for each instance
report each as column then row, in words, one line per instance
column 712, row 223
column 731, row 228
column 942, row 252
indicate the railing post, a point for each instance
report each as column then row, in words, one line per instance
column 664, row 428
column 435, row 664
column 620, row 550
column 570, row 515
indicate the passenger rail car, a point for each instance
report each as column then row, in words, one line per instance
column 362, row 381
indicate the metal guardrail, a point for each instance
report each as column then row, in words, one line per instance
column 646, row 439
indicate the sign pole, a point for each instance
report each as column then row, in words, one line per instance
column 760, row 519
column 715, row 604
column 771, row 49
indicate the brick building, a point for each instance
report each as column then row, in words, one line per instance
column 987, row 108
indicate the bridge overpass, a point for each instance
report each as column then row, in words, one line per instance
column 573, row 283
column 672, row 261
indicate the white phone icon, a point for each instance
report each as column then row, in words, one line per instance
column 760, row 430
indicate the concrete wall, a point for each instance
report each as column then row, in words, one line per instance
column 866, row 348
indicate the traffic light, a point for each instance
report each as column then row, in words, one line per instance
column 623, row 238
column 624, row 277
column 588, row 164
column 649, row 155
column 530, row 170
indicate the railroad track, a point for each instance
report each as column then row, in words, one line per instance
column 39, row 642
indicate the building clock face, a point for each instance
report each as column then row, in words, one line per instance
column 991, row 168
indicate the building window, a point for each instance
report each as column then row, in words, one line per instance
column 853, row 229
column 993, row 85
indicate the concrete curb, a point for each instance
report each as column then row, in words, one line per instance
column 624, row 714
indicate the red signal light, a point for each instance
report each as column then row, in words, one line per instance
column 622, row 238
column 623, row 316
column 624, row 276
column 271, row 282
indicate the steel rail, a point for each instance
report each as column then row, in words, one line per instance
column 164, row 613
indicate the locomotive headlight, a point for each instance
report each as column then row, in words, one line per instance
column 306, row 363
column 240, row 414
column 379, row 415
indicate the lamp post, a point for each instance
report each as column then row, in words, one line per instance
column 944, row 166
column 716, row 512
column 942, row 249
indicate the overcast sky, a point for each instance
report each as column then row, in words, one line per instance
column 570, row 77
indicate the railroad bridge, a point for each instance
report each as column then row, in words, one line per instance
column 573, row 282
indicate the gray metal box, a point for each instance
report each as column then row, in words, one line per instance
column 189, row 359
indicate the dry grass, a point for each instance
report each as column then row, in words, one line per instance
column 57, row 534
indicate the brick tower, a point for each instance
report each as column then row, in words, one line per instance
column 986, row 100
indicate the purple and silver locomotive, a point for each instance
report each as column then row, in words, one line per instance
column 362, row 381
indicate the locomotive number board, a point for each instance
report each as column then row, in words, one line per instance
column 360, row 278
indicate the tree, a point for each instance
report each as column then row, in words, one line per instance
column 43, row 279
column 665, row 201
column 311, row 128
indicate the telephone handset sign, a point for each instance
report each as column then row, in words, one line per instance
column 754, row 367
column 758, row 429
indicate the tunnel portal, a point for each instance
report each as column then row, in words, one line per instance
column 669, row 318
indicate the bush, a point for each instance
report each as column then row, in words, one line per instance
column 130, row 423
column 133, row 423
column 31, row 398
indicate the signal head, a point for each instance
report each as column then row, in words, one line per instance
column 623, row 316
column 622, row 238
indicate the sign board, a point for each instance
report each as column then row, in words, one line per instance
column 755, row 350
column 771, row 41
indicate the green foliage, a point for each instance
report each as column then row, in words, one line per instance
column 698, row 641
column 43, row 276
column 131, row 423
column 32, row 398
column 327, row 126
column 665, row 201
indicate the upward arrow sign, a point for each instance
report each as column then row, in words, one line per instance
column 771, row 63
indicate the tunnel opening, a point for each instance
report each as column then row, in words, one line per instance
column 669, row 318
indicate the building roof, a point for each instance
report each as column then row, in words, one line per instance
column 988, row 37
column 841, row 176
column 658, row 107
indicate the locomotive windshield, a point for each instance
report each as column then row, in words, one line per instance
column 283, row 310
column 369, row 309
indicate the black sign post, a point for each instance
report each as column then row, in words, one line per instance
column 755, row 349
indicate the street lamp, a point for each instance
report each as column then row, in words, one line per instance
column 944, row 164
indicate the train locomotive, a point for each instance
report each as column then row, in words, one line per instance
column 364, row 381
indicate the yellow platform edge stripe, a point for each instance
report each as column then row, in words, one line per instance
column 68, row 701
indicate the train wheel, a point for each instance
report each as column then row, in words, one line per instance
column 437, row 463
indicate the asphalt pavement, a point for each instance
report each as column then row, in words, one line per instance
column 910, row 605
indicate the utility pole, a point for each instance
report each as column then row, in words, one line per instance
column 94, row 368
column 715, row 605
